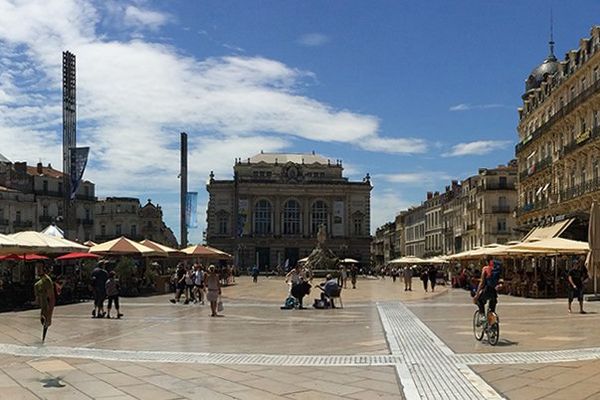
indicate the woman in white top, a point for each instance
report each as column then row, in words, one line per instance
column 298, row 280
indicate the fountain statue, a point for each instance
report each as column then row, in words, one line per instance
column 321, row 258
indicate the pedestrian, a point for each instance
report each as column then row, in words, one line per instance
column 299, row 284
column 353, row 275
column 189, row 284
column 112, row 291
column 394, row 274
column 255, row 272
column 99, row 278
column 407, row 274
column 424, row 278
column 577, row 276
column 344, row 277
column 432, row 272
column 199, row 283
column 213, row 286
column 179, row 283
column 45, row 292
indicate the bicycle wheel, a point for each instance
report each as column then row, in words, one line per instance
column 478, row 325
column 493, row 331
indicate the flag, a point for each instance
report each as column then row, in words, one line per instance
column 191, row 206
column 79, row 158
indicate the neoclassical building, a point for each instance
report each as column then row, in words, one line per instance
column 558, row 151
column 271, row 210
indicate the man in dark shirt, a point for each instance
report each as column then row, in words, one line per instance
column 577, row 276
column 99, row 278
column 179, row 283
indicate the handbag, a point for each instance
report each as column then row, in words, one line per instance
column 220, row 305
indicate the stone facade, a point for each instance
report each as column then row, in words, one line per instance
column 40, row 190
column 414, row 231
column 124, row 216
column 558, row 151
column 271, row 210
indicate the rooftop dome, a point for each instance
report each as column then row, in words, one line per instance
column 550, row 66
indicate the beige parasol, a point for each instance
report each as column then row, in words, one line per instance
column 41, row 243
column 552, row 246
column 124, row 246
column 206, row 252
column 166, row 250
column 9, row 246
column 594, row 245
column 408, row 260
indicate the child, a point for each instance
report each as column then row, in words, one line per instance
column 112, row 291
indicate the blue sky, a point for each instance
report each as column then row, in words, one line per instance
column 414, row 93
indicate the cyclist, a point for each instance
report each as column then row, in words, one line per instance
column 488, row 286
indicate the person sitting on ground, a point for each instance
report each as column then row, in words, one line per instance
column 330, row 289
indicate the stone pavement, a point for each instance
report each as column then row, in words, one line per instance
column 384, row 344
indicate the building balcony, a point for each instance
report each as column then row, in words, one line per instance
column 535, row 168
column 581, row 140
column 495, row 186
column 559, row 115
column 579, row 190
column 85, row 221
column 501, row 209
column 471, row 205
column 538, row 205
column 22, row 224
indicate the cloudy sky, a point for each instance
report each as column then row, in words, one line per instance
column 414, row 93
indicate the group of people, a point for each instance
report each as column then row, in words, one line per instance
column 195, row 284
column 105, row 285
column 299, row 280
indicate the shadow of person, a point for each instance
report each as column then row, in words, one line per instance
column 52, row 382
column 506, row 343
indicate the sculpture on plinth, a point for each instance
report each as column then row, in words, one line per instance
column 321, row 258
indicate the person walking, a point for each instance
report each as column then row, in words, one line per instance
column 344, row 277
column 179, row 283
column 353, row 275
column 432, row 273
column 199, row 283
column 213, row 286
column 577, row 276
column 255, row 272
column 45, row 293
column 424, row 278
column 189, row 284
column 407, row 275
column 112, row 291
column 99, row 278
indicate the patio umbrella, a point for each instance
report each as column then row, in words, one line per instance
column 89, row 243
column 23, row 257
column 55, row 231
column 166, row 250
column 408, row 260
column 123, row 246
column 348, row 261
column 8, row 245
column 553, row 246
column 594, row 245
column 42, row 243
column 206, row 252
column 77, row 256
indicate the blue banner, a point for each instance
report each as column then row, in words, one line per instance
column 79, row 158
column 191, row 209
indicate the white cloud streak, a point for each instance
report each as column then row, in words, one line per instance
column 313, row 39
column 414, row 178
column 469, row 107
column 477, row 148
column 139, row 17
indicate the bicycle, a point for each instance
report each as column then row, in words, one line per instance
column 486, row 325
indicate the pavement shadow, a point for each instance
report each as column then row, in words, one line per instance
column 506, row 343
column 52, row 382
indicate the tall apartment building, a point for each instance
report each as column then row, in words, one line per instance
column 452, row 218
column 384, row 244
column 558, row 151
column 433, row 224
column 414, row 231
column 32, row 197
column 125, row 216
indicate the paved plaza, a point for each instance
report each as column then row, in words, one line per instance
column 384, row 344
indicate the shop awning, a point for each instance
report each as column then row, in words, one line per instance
column 550, row 231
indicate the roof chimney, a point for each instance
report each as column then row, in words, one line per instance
column 40, row 169
column 429, row 195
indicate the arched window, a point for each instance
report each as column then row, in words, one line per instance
column 222, row 223
column 318, row 215
column 291, row 217
column 262, row 217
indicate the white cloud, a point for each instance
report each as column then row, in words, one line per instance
column 313, row 39
column 478, row 148
column 468, row 107
column 394, row 145
column 385, row 204
column 139, row 17
column 419, row 178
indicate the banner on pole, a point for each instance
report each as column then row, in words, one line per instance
column 191, row 209
column 79, row 159
column 243, row 220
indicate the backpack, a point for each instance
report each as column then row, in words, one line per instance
column 492, row 280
